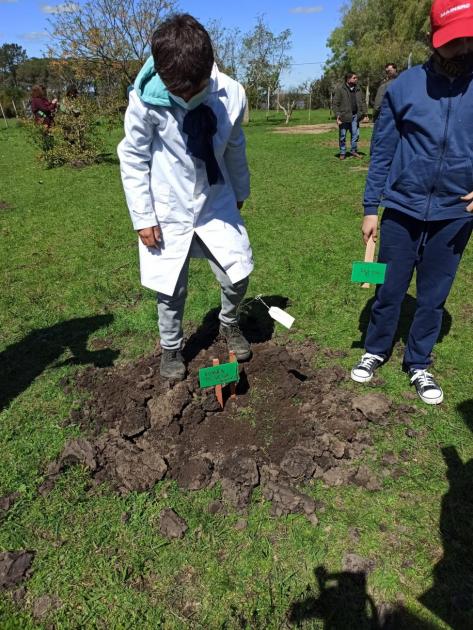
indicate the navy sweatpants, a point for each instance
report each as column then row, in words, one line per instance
column 434, row 249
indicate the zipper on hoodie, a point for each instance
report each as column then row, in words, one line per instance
column 442, row 153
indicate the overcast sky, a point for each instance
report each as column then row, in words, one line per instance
column 26, row 22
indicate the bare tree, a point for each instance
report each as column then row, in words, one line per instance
column 110, row 33
column 227, row 47
column 286, row 101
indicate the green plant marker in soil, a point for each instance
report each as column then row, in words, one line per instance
column 372, row 273
column 219, row 375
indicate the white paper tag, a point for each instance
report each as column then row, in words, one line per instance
column 281, row 316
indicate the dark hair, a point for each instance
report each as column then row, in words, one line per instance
column 182, row 52
column 390, row 64
column 37, row 91
column 349, row 75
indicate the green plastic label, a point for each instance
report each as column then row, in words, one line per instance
column 219, row 375
column 371, row 273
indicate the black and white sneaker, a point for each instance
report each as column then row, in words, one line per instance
column 364, row 370
column 428, row 390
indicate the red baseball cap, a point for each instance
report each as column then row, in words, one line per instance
column 451, row 19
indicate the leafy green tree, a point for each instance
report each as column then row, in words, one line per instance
column 11, row 56
column 33, row 70
column 375, row 32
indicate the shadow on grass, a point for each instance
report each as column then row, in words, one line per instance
column 255, row 322
column 341, row 602
column 451, row 596
column 22, row 362
column 406, row 318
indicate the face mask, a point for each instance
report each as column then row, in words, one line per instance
column 194, row 102
column 457, row 66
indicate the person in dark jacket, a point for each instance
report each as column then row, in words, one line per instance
column 350, row 108
column 42, row 109
column 391, row 74
column 421, row 172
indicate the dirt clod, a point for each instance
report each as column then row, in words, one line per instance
column 216, row 507
column 241, row 524
column 374, row 407
column 15, row 567
column 7, row 502
column 367, row 479
column 285, row 499
column 195, row 474
column 138, row 470
column 44, row 605
column 76, row 451
column 171, row 525
column 354, row 563
column 389, row 459
column 18, row 596
column 239, row 475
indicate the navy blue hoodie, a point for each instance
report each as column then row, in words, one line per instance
column 421, row 154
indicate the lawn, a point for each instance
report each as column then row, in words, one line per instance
column 70, row 297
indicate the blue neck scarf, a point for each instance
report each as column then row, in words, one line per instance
column 200, row 125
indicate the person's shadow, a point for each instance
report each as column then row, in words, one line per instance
column 255, row 323
column 342, row 602
column 22, row 362
column 451, row 596
column 408, row 310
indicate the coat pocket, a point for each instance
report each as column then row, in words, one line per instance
column 416, row 179
column 162, row 197
column 455, row 180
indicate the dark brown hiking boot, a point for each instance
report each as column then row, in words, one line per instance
column 342, row 156
column 172, row 365
column 236, row 342
column 355, row 154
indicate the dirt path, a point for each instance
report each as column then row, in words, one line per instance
column 312, row 129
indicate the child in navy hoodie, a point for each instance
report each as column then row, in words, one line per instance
column 421, row 172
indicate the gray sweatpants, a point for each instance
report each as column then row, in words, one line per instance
column 171, row 308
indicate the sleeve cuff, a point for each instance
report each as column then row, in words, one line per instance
column 144, row 221
column 371, row 210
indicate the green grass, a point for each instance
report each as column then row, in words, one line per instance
column 69, row 276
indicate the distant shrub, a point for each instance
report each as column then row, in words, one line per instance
column 74, row 138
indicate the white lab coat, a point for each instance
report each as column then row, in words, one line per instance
column 166, row 186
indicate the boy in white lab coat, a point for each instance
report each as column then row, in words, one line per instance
column 185, row 176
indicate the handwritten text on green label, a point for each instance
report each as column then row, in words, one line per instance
column 219, row 375
column 372, row 273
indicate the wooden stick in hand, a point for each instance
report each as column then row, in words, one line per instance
column 369, row 257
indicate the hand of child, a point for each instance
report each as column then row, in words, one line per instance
column 151, row 237
column 469, row 197
column 339, row 121
column 370, row 227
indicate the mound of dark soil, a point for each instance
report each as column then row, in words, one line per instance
column 290, row 424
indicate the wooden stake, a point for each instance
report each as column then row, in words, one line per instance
column 233, row 386
column 218, row 388
column 4, row 117
column 369, row 257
